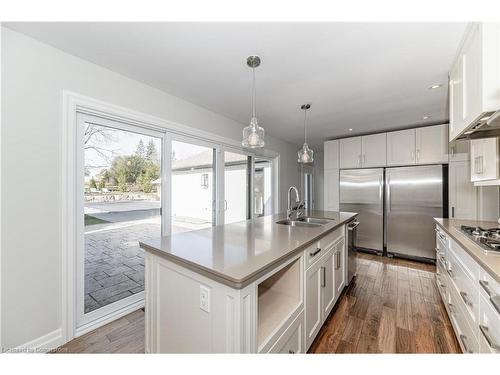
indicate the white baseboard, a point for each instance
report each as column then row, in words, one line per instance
column 42, row 344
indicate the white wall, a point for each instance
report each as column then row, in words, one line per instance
column 33, row 77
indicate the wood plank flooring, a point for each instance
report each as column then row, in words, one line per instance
column 392, row 307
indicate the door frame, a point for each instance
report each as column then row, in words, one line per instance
column 71, row 104
column 87, row 321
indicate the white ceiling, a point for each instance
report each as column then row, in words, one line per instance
column 365, row 76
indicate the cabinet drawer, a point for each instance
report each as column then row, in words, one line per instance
column 465, row 335
column 441, row 280
column 441, row 241
column 291, row 341
column 465, row 288
column 489, row 326
column 469, row 264
column 487, row 285
column 314, row 252
column 331, row 238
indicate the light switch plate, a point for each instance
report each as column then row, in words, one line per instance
column 204, row 298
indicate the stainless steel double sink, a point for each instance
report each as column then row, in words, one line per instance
column 305, row 222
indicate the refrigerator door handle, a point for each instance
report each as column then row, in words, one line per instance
column 380, row 189
column 388, row 188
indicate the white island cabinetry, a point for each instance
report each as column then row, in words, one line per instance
column 281, row 310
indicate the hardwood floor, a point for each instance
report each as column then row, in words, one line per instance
column 124, row 335
column 392, row 307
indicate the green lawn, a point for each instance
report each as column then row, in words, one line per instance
column 91, row 220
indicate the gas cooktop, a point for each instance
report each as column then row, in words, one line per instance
column 488, row 239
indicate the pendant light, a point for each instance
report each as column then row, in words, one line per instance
column 253, row 134
column 305, row 153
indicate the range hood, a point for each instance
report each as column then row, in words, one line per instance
column 488, row 126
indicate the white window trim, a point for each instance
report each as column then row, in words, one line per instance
column 73, row 103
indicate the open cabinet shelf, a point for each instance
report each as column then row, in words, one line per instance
column 278, row 298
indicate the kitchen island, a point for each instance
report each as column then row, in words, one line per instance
column 247, row 287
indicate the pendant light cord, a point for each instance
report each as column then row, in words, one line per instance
column 305, row 131
column 253, row 94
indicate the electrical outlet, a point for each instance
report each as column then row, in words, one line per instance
column 204, row 298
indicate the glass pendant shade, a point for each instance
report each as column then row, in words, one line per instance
column 306, row 155
column 253, row 135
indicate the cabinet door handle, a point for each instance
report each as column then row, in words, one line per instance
column 450, row 272
column 314, row 253
column 486, row 333
column 453, row 212
column 323, row 277
column 495, row 301
column 478, row 165
column 418, row 155
column 485, row 286
column 338, row 260
column 466, row 299
column 463, row 338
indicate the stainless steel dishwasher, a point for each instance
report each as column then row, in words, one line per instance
column 351, row 250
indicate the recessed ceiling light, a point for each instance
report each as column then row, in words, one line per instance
column 435, row 86
column 350, row 129
column 426, row 117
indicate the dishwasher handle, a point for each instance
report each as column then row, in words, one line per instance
column 353, row 225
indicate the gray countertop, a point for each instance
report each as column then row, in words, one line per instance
column 239, row 253
column 489, row 262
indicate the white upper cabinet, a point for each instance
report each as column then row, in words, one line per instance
column 350, row 152
column 484, row 159
column 401, row 147
column 431, row 144
column 474, row 80
column 331, row 152
column 373, row 150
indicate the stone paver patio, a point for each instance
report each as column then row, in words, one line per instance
column 114, row 263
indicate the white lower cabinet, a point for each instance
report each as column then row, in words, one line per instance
column 325, row 281
column 471, row 297
column 313, row 302
column 339, row 268
column 292, row 340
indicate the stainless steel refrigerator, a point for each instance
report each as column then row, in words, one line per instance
column 396, row 207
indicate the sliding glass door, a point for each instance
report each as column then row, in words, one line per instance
column 136, row 184
column 237, row 182
column 192, row 185
column 263, row 187
column 121, row 191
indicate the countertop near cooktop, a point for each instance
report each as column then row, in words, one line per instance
column 490, row 262
column 237, row 254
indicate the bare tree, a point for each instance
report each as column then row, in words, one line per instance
column 98, row 139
